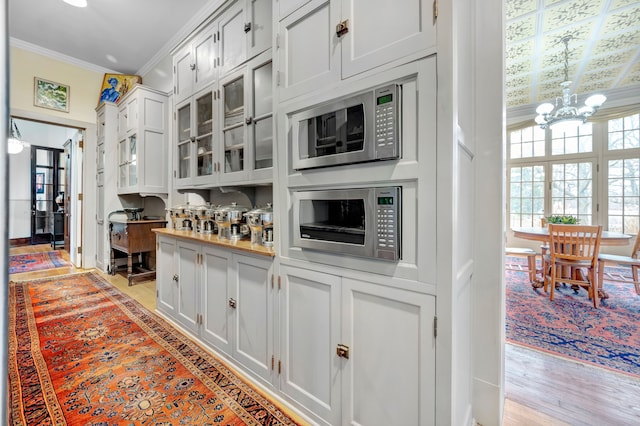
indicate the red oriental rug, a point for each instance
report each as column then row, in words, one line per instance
column 569, row 326
column 83, row 353
column 35, row 262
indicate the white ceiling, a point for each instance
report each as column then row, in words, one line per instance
column 118, row 35
column 125, row 35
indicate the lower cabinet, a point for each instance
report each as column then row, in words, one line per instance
column 342, row 350
column 355, row 352
column 222, row 297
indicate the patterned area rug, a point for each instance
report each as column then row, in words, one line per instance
column 36, row 262
column 571, row 327
column 83, row 353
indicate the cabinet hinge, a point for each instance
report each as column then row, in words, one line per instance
column 174, row 173
column 277, row 78
column 597, row 168
column 79, row 250
column 80, row 144
column 435, row 326
column 79, row 197
column 435, row 9
column 272, row 281
column 174, row 92
column 218, row 60
column 279, row 367
column 218, row 33
column 157, row 294
column 279, row 282
column 273, row 362
column 174, row 70
column 597, row 207
column 277, row 41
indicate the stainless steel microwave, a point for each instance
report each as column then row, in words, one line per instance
column 361, row 222
column 354, row 129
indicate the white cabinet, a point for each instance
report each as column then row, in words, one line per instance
column 223, row 297
column 196, row 136
column 166, row 278
column 245, row 30
column 142, row 145
column 328, row 40
column 247, row 123
column 106, row 169
column 194, row 65
column 357, row 352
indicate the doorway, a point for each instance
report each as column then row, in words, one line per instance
column 48, row 179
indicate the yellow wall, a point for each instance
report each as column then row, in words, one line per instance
column 84, row 85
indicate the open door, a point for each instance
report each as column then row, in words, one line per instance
column 67, row 196
column 47, row 182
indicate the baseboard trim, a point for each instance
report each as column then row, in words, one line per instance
column 19, row 242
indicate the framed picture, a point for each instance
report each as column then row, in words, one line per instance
column 48, row 94
column 115, row 86
column 39, row 183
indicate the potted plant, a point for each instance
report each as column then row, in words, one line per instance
column 562, row 219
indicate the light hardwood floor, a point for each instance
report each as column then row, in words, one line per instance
column 541, row 390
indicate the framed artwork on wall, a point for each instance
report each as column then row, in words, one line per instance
column 115, row 86
column 48, row 94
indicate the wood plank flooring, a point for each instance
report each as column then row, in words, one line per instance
column 541, row 389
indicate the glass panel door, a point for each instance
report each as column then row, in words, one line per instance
column 263, row 117
column 45, row 187
column 133, row 160
column 184, row 141
column 204, row 135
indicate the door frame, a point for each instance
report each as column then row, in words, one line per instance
column 55, row 183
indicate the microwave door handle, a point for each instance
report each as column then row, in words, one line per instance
column 303, row 140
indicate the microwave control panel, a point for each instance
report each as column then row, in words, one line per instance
column 388, row 223
column 387, row 120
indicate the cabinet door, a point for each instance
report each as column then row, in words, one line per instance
column 309, row 48
column 123, row 164
column 381, row 31
column 253, row 314
column 309, row 335
column 100, row 236
column 131, row 114
column 259, row 28
column 132, row 170
column 204, row 55
column 184, row 144
column 166, row 285
column 260, row 128
column 204, row 133
column 233, row 46
column 234, row 135
column 183, row 73
column 188, row 285
column 387, row 330
column 217, row 326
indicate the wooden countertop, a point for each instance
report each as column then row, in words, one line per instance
column 242, row 245
column 138, row 221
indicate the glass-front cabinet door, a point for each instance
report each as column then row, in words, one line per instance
column 133, row 160
column 196, row 159
column 123, row 164
column 204, row 135
column 261, row 131
column 233, row 124
column 184, row 142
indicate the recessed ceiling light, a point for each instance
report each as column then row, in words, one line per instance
column 77, row 3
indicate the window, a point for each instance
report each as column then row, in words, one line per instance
column 623, row 174
column 556, row 173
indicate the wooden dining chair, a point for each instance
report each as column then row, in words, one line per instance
column 632, row 262
column 573, row 251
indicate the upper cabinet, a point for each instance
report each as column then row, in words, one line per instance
column 223, row 108
column 245, row 30
column 324, row 41
column 142, row 142
column 194, row 65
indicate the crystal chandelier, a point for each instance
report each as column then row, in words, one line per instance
column 567, row 115
column 15, row 144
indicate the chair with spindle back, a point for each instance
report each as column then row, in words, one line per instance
column 632, row 262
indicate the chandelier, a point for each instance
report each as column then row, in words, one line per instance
column 15, row 144
column 566, row 115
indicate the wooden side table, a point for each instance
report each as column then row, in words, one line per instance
column 134, row 237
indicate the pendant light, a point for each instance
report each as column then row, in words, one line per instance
column 566, row 114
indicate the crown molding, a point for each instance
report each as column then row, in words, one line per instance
column 20, row 44
column 196, row 21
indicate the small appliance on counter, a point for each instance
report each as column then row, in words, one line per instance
column 260, row 221
column 230, row 221
column 181, row 219
column 134, row 213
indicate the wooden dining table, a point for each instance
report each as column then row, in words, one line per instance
column 608, row 238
